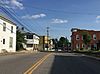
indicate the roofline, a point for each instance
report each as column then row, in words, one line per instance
column 84, row 30
column 32, row 33
column 88, row 30
column 7, row 20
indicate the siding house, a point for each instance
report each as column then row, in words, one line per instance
column 77, row 39
column 7, row 35
column 32, row 41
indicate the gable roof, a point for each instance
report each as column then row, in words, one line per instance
column 7, row 20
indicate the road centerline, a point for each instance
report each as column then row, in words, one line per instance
column 37, row 64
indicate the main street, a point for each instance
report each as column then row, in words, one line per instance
column 48, row 63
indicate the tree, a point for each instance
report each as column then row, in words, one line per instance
column 20, row 38
column 55, row 42
column 86, row 38
column 63, row 42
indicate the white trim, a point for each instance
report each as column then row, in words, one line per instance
column 77, row 37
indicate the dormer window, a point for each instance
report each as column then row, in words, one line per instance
column 77, row 37
column 94, row 37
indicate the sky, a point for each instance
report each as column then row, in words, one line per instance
column 59, row 15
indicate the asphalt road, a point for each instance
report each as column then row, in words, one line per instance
column 55, row 63
column 68, row 63
column 19, row 63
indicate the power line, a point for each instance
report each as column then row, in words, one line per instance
column 35, row 21
column 60, row 11
column 9, row 13
column 13, row 12
column 18, row 21
column 21, row 21
column 16, row 16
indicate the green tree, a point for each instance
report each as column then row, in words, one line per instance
column 20, row 38
column 86, row 38
column 55, row 42
column 63, row 42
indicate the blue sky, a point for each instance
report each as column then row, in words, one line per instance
column 59, row 15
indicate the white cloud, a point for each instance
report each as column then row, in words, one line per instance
column 59, row 21
column 26, row 17
column 98, row 19
column 33, row 16
column 15, row 4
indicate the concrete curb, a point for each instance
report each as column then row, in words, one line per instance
column 89, row 56
column 92, row 57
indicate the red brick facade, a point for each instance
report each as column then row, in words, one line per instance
column 77, row 39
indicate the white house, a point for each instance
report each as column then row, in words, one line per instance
column 32, row 41
column 7, row 35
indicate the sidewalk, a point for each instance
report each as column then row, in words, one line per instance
column 93, row 57
column 17, row 52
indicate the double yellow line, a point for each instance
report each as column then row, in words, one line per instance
column 35, row 66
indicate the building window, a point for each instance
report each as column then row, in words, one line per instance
column 3, row 41
column 77, row 37
column 4, row 26
column 95, row 46
column 89, row 46
column 29, row 36
column 11, row 29
column 29, row 45
column 82, row 37
column 77, row 46
column 94, row 36
column 83, row 45
column 11, row 42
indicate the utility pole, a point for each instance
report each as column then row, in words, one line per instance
column 47, row 38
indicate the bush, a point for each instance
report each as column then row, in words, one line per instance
column 19, row 46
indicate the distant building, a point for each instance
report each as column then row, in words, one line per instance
column 77, row 39
column 45, row 43
column 32, row 41
column 7, row 35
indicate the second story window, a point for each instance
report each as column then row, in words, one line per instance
column 82, row 37
column 77, row 37
column 11, row 29
column 3, row 41
column 29, row 37
column 4, row 26
column 94, row 37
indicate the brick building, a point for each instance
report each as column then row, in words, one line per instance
column 77, row 39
